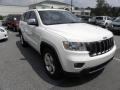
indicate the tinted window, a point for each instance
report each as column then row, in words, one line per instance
column 57, row 17
column 32, row 15
column 18, row 17
column 99, row 18
column 11, row 17
column 27, row 16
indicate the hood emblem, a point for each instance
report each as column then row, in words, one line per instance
column 104, row 38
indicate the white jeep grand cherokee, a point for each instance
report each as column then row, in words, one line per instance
column 64, row 43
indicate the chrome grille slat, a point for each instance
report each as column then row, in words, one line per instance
column 101, row 47
column 107, row 45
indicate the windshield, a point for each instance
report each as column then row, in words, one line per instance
column 117, row 19
column 18, row 17
column 11, row 17
column 57, row 17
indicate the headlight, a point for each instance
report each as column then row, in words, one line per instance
column 1, row 30
column 74, row 46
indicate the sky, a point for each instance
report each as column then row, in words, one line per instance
column 80, row 3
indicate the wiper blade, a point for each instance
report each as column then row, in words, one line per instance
column 73, row 22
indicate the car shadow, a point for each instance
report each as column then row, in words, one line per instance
column 117, row 53
column 3, row 40
column 17, row 35
column 34, row 59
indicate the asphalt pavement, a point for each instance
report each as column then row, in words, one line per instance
column 22, row 69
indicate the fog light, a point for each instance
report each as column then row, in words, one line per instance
column 78, row 65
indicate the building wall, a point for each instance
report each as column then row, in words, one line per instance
column 5, row 10
column 80, row 12
column 56, row 6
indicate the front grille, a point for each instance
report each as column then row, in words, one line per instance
column 100, row 47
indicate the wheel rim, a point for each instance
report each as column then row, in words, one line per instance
column 49, row 65
column 21, row 39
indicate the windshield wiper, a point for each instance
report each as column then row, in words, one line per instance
column 73, row 22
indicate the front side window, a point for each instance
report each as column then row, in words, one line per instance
column 27, row 16
column 32, row 15
column 57, row 17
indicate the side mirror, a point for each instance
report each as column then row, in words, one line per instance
column 32, row 22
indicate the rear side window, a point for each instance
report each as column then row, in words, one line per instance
column 99, row 18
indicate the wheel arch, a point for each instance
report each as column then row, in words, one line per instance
column 44, row 45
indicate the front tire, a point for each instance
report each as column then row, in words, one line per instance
column 22, row 41
column 51, row 63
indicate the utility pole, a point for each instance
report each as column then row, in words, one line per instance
column 35, row 3
column 71, row 5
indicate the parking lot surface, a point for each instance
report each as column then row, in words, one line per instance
column 22, row 69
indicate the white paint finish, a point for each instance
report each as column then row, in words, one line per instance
column 3, row 35
column 54, row 35
column 80, row 32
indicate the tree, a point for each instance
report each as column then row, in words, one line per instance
column 1, row 17
column 102, row 8
column 100, row 3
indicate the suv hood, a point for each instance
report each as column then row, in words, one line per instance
column 80, row 32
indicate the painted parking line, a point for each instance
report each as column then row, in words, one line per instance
column 117, row 59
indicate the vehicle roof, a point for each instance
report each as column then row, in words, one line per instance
column 14, row 14
column 47, row 10
column 102, row 16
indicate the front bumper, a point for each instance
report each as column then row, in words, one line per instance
column 70, row 58
column 96, row 68
column 116, row 28
column 4, row 36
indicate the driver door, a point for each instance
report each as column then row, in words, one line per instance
column 33, row 30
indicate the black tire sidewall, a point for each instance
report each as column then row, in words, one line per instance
column 58, row 69
column 24, row 44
